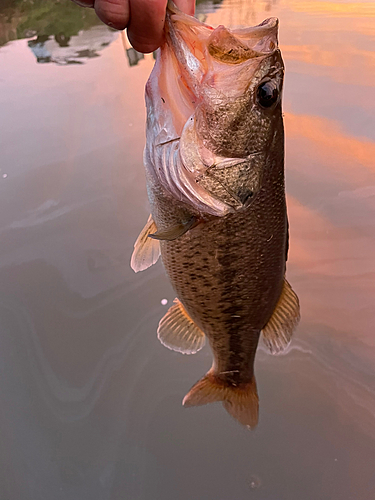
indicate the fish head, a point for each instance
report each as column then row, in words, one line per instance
column 221, row 92
column 240, row 95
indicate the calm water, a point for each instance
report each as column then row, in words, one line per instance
column 90, row 400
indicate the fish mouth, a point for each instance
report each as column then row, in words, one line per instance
column 211, row 61
column 199, row 46
column 227, row 45
column 235, row 47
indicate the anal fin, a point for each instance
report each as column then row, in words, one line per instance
column 178, row 332
column 146, row 250
column 278, row 331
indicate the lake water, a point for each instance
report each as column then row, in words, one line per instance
column 90, row 400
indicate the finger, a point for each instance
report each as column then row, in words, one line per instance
column 115, row 13
column 145, row 30
column 84, row 3
column 187, row 6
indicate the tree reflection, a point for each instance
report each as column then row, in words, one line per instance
column 25, row 18
column 61, row 32
column 72, row 50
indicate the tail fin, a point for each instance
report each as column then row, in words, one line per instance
column 241, row 402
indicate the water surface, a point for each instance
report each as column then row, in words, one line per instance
column 90, row 400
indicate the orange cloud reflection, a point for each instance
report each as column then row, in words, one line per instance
column 353, row 158
column 317, row 55
column 342, row 63
column 351, row 9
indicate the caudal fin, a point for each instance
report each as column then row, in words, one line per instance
column 240, row 401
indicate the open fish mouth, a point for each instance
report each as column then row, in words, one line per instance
column 206, row 55
column 199, row 61
column 229, row 46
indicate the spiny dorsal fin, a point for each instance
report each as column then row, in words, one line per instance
column 279, row 330
column 178, row 332
column 241, row 402
column 146, row 250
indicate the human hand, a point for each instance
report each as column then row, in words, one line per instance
column 144, row 19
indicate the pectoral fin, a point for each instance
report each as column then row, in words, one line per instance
column 178, row 332
column 279, row 330
column 176, row 231
column 146, row 250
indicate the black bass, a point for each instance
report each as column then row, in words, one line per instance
column 214, row 162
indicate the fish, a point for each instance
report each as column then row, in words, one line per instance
column 214, row 162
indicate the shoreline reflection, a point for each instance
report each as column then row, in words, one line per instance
column 62, row 50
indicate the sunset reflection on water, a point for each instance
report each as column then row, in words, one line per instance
column 100, row 397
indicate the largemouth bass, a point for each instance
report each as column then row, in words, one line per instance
column 214, row 162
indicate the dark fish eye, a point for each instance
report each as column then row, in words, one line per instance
column 267, row 94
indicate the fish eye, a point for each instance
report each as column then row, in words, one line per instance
column 267, row 94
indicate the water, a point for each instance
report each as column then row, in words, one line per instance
column 90, row 400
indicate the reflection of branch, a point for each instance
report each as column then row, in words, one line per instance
column 133, row 55
column 123, row 39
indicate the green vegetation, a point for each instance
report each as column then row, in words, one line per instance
column 24, row 18
column 45, row 17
